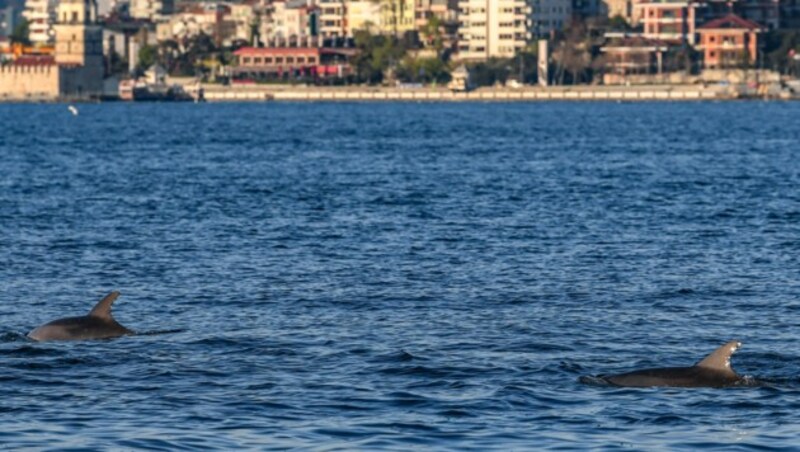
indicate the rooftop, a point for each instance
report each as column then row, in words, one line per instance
column 731, row 21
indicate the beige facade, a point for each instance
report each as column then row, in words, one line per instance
column 491, row 28
column 397, row 16
column 621, row 8
column 288, row 23
column 332, row 18
column 363, row 15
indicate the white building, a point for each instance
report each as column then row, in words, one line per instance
column 151, row 9
column 40, row 15
column 491, row 28
column 211, row 19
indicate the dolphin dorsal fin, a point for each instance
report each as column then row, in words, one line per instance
column 720, row 359
column 103, row 308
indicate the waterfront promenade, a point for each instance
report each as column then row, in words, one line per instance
column 255, row 93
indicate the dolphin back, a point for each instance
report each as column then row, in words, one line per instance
column 98, row 324
column 713, row 371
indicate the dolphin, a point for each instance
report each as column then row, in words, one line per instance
column 98, row 324
column 713, row 371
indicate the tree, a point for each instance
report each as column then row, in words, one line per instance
column 423, row 70
column 619, row 24
column 148, row 55
column 778, row 46
column 683, row 58
column 21, row 34
column 490, row 72
column 116, row 64
column 377, row 55
column 572, row 53
column 191, row 56
column 525, row 63
column 432, row 34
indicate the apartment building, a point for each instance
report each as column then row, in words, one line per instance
column 670, row 21
column 548, row 16
column 40, row 15
column 332, row 18
column 491, row 28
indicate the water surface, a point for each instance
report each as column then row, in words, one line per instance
column 396, row 276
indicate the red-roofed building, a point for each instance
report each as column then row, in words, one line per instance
column 291, row 62
column 729, row 42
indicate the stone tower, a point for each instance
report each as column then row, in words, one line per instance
column 79, row 47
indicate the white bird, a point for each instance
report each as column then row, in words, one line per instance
column 73, row 110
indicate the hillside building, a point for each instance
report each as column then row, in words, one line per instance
column 76, row 69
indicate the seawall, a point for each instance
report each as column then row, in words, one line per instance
column 239, row 94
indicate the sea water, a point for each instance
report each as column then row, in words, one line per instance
column 399, row 275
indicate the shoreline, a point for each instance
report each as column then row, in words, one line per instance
column 580, row 93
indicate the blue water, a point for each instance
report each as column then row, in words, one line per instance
column 399, row 276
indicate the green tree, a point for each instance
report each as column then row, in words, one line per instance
column 524, row 65
column 377, row 56
column 491, row 71
column 618, row 23
column 148, row 56
column 21, row 33
column 432, row 34
column 778, row 46
column 116, row 64
column 423, row 70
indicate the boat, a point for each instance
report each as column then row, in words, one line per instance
column 152, row 87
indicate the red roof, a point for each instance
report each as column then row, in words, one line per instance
column 731, row 21
column 269, row 51
column 35, row 60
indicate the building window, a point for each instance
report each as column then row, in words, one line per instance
column 257, row 60
column 312, row 60
column 246, row 60
column 289, row 60
column 278, row 60
column 268, row 60
column 301, row 60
